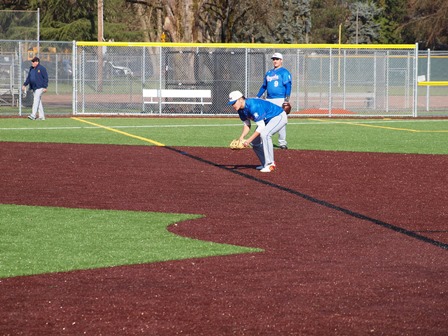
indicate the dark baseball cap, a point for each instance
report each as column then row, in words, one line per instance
column 35, row 59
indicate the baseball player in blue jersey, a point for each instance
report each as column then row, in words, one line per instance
column 277, row 83
column 269, row 118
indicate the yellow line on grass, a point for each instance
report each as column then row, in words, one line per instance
column 120, row 132
column 385, row 127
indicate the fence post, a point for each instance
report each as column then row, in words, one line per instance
column 414, row 108
column 20, row 79
column 330, row 78
column 344, row 85
column 297, row 78
column 162, row 71
column 246, row 71
column 428, row 78
column 74, row 76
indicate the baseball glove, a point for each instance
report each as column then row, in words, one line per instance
column 286, row 107
column 236, row 144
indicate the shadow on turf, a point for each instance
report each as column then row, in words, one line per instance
column 242, row 167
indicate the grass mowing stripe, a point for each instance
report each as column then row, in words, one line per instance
column 38, row 240
column 292, row 121
column 367, row 124
column 310, row 121
column 332, row 135
column 397, row 129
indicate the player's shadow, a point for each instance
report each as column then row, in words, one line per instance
column 238, row 167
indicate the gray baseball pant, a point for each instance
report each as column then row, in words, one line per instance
column 37, row 104
column 262, row 144
column 282, row 133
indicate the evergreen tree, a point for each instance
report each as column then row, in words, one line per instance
column 363, row 26
column 394, row 13
column 328, row 16
column 67, row 20
column 295, row 25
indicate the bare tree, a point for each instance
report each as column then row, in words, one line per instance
column 240, row 20
column 150, row 17
column 181, row 21
column 219, row 18
column 428, row 22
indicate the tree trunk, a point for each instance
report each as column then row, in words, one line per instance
column 181, row 20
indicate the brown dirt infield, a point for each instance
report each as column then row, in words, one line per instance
column 355, row 243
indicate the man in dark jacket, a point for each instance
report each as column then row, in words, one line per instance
column 37, row 79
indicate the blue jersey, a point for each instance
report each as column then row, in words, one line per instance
column 259, row 109
column 277, row 83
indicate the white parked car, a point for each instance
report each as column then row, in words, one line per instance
column 109, row 69
column 118, row 70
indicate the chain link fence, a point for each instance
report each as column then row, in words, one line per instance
column 15, row 62
column 433, row 100
column 88, row 78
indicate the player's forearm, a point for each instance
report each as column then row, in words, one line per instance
column 245, row 131
column 252, row 137
column 288, row 90
column 260, row 93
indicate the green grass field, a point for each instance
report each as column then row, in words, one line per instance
column 47, row 239
column 33, row 236
column 371, row 135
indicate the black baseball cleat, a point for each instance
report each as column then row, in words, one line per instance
column 283, row 147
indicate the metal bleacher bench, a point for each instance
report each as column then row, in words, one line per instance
column 177, row 96
column 9, row 97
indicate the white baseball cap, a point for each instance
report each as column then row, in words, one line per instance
column 234, row 96
column 277, row 55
